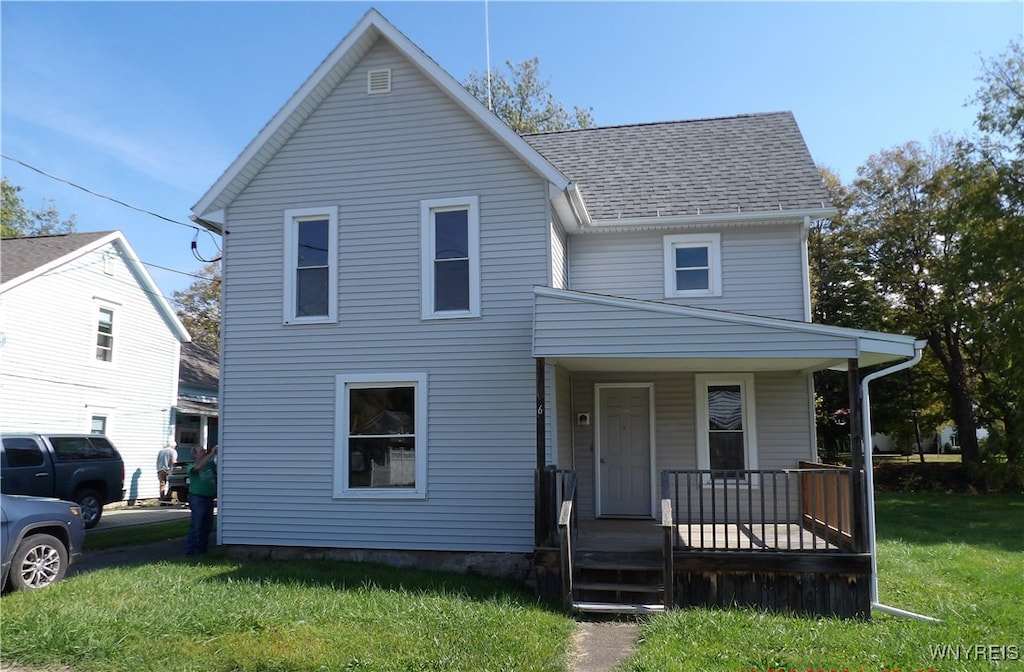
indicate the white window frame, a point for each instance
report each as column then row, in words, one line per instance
column 746, row 383
column 292, row 218
column 713, row 243
column 427, row 244
column 345, row 382
column 100, row 304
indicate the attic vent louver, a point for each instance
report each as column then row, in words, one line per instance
column 378, row 81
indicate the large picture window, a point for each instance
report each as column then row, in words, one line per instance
column 726, row 435
column 310, row 282
column 450, row 230
column 381, row 436
column 693, row 265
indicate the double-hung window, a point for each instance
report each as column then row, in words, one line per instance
column 450, row 265
column 693, row 265
column 105, row 336
column 726, row 432
column 381, row 436
column 310, row 265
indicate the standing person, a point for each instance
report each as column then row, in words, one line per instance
column 202, row 489
column 164, row 463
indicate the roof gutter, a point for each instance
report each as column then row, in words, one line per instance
column 869, row 477
column 739, row 217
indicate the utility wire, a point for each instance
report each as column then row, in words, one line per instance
column 194, row 246
column 90, row 191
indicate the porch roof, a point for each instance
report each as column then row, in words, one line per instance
column 585, row 331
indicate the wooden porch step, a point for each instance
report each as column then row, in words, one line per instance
column 617, row 608
column 631, row 562
column 619, row 587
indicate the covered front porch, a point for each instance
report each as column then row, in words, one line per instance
column 676, row 459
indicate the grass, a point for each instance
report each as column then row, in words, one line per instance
column 96, row 540
column 959, row 558
column 278, row 616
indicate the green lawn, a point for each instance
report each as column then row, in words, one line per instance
column 959, row 558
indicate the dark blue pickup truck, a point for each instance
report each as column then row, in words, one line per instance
column 83, row 468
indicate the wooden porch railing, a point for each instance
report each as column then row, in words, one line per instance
column 550, row 484
column 766, row 509
column 568, row 532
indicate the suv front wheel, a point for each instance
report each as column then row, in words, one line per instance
column 41, row 560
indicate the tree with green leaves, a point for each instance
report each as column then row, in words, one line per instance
column 198, row 307
column 18, row 221
column 522, row 99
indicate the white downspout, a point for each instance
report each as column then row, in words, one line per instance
column 869, row 478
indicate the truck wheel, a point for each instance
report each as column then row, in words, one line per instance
column 92, row 507
column 40, row 560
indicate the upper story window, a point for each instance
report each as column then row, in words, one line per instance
column 98, row 424
column 310, row 265
column 693, row 265
column 450, row 230
column 381, row 436
column 105, row 336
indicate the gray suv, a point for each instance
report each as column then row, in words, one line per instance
column 40, row 538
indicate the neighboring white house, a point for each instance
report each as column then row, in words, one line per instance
column 88, row 344
column 399, row 262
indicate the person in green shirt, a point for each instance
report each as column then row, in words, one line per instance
column 202, row 490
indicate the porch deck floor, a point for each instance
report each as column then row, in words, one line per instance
column 646, row 536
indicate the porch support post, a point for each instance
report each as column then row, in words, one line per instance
column 858, row 498
column 541, row 419
column 856, row 437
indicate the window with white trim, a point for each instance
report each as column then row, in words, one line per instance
column 381, row 436
column 105, row 335
column 726, row 432
column 310, row 265
column 693, row 265
column 98, row 424
column 450, row 265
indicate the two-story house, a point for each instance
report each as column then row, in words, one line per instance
column 88, row 344
column 440, row 337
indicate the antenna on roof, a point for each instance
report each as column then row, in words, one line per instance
column 487, row 42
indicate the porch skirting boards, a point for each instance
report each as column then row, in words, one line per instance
column 515, row 566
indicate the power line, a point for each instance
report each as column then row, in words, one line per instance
column 193, row 247
column 99, row 195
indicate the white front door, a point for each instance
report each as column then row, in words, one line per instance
column 623, row 450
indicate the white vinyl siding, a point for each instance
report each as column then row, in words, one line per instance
column 762, row 271
column 450, row 263
column 378, row 158
column 51, row 381
column 559, row 269
column 311, row 265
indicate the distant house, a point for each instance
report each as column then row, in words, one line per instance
column 198, row 390
column 88, row 344
column 583, row 356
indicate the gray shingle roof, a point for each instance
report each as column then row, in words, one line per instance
column 748, row 163
column 19, row 256
column 199, row 367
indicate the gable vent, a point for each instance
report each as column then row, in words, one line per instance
column 378, row 81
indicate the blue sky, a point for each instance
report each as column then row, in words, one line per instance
column 150, row 102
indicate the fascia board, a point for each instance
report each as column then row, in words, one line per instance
column 372, row 26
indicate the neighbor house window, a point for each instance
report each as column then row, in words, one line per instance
column 381, row 442
column 450, row 230
column 99, row 424
column 311, row 265
column 105, row 336
column 693, row 265
column 726, row 435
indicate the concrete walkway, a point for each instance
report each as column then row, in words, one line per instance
column 600, row 647
column 128, row 516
